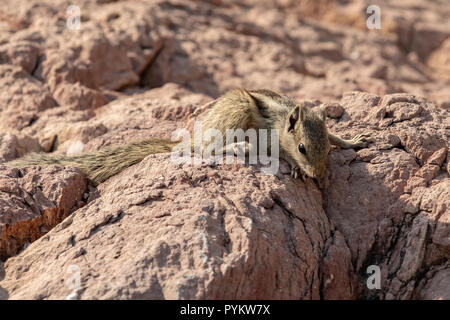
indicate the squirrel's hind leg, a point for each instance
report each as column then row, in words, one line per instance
column 242, row 148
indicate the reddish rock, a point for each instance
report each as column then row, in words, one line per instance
column 334, row 110
column 439, row 60
column 154, row 235
column 22, row 98
column 23, row 54
column 367, row 193
column 436, row 287
column 33, row 201
column 79, row 97
column 427, row 37
column 13, row 146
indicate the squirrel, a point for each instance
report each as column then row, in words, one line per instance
column 304, row 141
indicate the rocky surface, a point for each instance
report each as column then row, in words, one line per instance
column 33, row 201
column 159, row 230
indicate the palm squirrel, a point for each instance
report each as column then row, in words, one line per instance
column 304, row 141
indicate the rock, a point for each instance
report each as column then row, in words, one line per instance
column 439, row 59
column 14, row 146
column 158, row 243
column 339, row 281
column 428, row 171
column 34, row 200
column 8, row 150
column 382, row 225
column 428, row 37
column 79, row 97
column 23, row 54
column 334, row 110
column 437, row 287
column 22, row 98
column 109, row 65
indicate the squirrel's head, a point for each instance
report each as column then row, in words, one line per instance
column 308, row 137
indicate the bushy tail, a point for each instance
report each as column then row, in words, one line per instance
column 102, row 164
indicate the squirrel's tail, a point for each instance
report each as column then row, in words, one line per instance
column 102, row 164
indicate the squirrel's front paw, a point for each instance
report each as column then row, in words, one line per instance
column 242, row 148
column 296, row 172
column 361, row 140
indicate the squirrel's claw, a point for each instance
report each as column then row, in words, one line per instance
column 296, row 173
column 361, row 140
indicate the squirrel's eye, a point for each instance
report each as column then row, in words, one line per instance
column 301, row 148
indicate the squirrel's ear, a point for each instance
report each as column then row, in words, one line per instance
column 323, row 112
column 295, row 115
